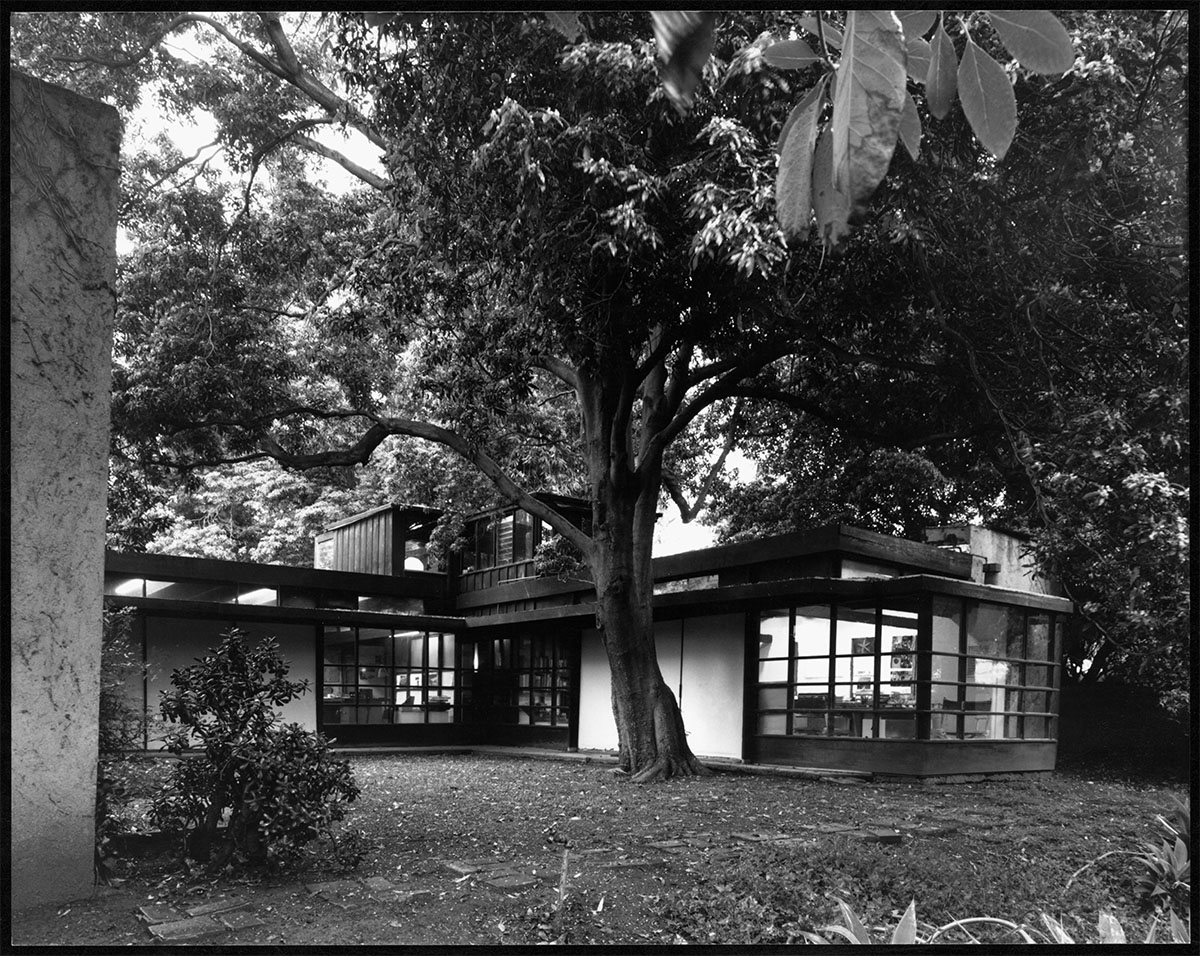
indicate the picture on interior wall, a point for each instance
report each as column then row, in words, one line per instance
column 862, row 645
column 902, row 663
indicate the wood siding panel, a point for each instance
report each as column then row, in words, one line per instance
column 911, row 758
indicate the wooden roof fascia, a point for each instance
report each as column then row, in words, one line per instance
column 286, row 615
column 410, row 584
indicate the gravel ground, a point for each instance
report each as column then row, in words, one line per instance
column 419, row 813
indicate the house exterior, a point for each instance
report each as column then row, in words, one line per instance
column 836, row 648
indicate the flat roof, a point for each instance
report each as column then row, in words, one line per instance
column 741, row 597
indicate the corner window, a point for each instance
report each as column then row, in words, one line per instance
column 877, row 669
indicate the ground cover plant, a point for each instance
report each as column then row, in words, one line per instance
column 1009, row 849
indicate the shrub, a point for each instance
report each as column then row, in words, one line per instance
column 121, row 726
column 278, row 784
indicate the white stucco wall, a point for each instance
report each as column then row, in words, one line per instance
column 62, row 206
column 706, row 679
column 178, row 642
column 711, row 689
column 1016, row 570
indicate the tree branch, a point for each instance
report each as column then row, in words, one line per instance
column 360, row 452
column 743, row 368
column 111, row 64
column 288, row 69
column 561, row 370
column 675, row 487
column 361, row 172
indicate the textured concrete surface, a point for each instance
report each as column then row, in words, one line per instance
column 62, row 204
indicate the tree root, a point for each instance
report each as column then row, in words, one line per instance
column 665, row 767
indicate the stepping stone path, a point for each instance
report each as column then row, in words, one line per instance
column 171, row 925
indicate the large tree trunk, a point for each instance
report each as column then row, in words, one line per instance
column 649, row 725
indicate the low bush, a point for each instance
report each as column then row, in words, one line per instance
column 910, row 931
column 1166, row 882
column 275, row 786
column 121, row 726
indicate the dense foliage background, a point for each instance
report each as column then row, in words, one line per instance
column 998, row 341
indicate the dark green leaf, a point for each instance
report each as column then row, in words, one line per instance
column 919, row 55
column 832, row 208
column 916, row 23
column 565, row 22
column 790, row 55
column 833, row 36
column 1036, row 39
column 794, row 181
column 910, row 126
column 987, row 100
column 868, row 104
column 905, row 933
column 798, row 110
column 685, row 39
column 941, row 84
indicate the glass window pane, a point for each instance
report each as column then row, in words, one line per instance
column 336, row 713
column 253, row 595
column 812, row 630
column 772, row 723
column 982, row 670
column 811, row 697
column 1014, row 635
column 1037, row 700
column 1037, row 675
column 339, row 645
column 987, row 629
column 1037, row 727
column 812, row 670
column 944, row 667
column 1012, row 700
column 773, row 634
column 848, row 695
column 1012, row 727
column 374, row 714
column 945, row 697
column 844, row 669
column 126, row 587
column 522, row 531
column 1039, row 637
column 947, row 617
column 375, row 647
column 770, row 672
column 893, row 694
column 772, row 698
column 485, row 543
column 856, row 629
column 294, row 597
column 896, row 727
column 504, row 540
